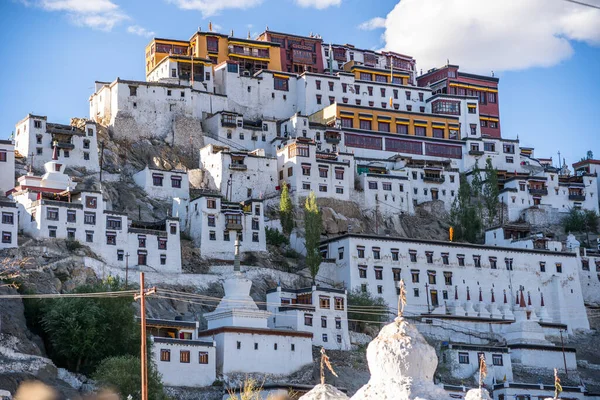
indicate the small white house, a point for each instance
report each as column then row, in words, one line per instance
column 76, row 144
column 239, row 175
column 180, row 357
column 9, row 223
column 7, row 165
column 163, row 184
column 322, row 311
column 462, row 361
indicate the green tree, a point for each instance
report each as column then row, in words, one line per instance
column 82, row 331
column 122, row 374
column 476, row 182
column 589, row 156
column 491, row 191
column 312, row 229
column 286, row 211
column 364, row 308
column 464, row 216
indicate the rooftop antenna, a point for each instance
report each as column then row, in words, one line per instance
column 210, row 26
column 267, row 28
column 231, row 33
column 492, row 72
column 248, row 34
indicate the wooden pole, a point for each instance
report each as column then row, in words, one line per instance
column 143, row 351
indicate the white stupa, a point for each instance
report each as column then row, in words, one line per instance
column 478, row 394
column 402, row 365
column 324, row 392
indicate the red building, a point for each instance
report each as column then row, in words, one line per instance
column 298, row 53
column 451, row 81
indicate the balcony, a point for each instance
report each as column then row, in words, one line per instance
column 233, row 226
column 538, row 192
column 475, row 152
column 434, row 179
column 577, row 197
column 333, row 139
column 238, row 167
column 248, row 53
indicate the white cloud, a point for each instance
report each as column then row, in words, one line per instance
column 96, row 14
column 485, row 35
column 318, row 4
column 372, row 24
column 212, row 7
column 140, row 31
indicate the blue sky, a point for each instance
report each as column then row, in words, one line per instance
column 54, row 50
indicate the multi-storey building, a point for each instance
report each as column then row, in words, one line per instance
column 589, row 168
column 214, row 223
column 298, row 53
column 232, row 130
column 305, row 169
column 9, row 223
column 322, row 311
column 7, row 164
column 447, row 276
column 239, row 175
column 162, row 184
column 180, row 357
column 251, row 55
column 50, row 207
column 76, row 143
column 449, row 80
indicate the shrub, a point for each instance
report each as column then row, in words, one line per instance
column 275, row 237
column 364, row 308
column 73, row 245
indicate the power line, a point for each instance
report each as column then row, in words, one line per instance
column 584, row 4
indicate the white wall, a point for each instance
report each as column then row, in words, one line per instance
column 9, row 214
column 192, row 374
column 144, row 179
column 467, row 371
column 7, row 177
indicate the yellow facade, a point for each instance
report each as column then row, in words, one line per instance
column 394, row 118
column 359, row 71
column 257, row 54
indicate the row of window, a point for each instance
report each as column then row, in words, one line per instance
column 242, row 136
column 212, row 235
column 463, row 358
column 233, row 219
column 38, row 138
column 66, row 154
column 184, row 356
column 323, row 172
column 275, row 346
column 157, row 180
column 323, row 188
column 395, row 256
column 396, row 274
column 402, row 129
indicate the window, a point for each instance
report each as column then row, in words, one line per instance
column 308, row 319
column 407, row 93
column 493, row 124
column 376, row 253
column 362, row 271
column 339, row 190
column 493, row 263
column 373, row 185
column 361, row 251
column 558, row 268
column 473, row 128
column 52, row 214
column 89, row 236
column 429, row 257
column 255, row 346
column 431, row 277
column 489, row 146
column 438, row 133
column 111, row 238
column 542, row 266
column 420, row 131
column 157, row 179
column 379, row 289
column 255, row 237
column 461, row 260
column 339, row 174
column 184, row 356
column 396, row 272
column 340, row 253
column 6, row 237
column 448, row 278
column 211, row 203
column 379, row 273
column 280, row 84
column 305, row 186
column 212, row 235
column 239, row 345
column 324, row 337
column 113, row 223
column 497, row 359
column 445, row 259
column 402, row 129
column 339, row 303
column 142, row 241
column 324, row 302
column 176, row 181
column 165, row 355
column 510, row 160
column 168, row 92
column 338, row 323
column 395, row 254
column 211, row 220
column 415, row 275
column 226, row 236
column 509, row 263
column 120, row 255
column 491, row 97
column 8, row 218
column 162, row 243
column 323, row 188
column 416, row 292
column 483, row 123
column 365, row 124
column 408, row 107
column 142, row 257
column 363, row 287
column 182, row 94
column 383, row 126
column 323, row 322
column 133, row 90
column 477, row 261
column 463, row 358
column 202, row 357
column 413, row 255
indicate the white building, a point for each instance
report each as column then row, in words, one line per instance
column 162, row 184
column 77, row 143
column 9, row 223
column 589, row 168
column 305, row 169
column 180, row 357
column 50, row 207
column 322, row 311
column 462, row 360
column 239, row 175
column 7, row 165
column 244, row 342
column 176, row 69
column 213, row 224
column 474, row 281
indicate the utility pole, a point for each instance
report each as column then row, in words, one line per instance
column 143, row 354
column 126, row 269
column 427, row 295
column 562, row 343
column 101, row 159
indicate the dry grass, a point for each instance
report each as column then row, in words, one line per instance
column 250, row 389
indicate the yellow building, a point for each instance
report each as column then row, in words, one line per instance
column 389, row 121
column 252, row 55
column 363, row 73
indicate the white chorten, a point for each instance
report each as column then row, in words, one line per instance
column 478, row 394
column 324, row 392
